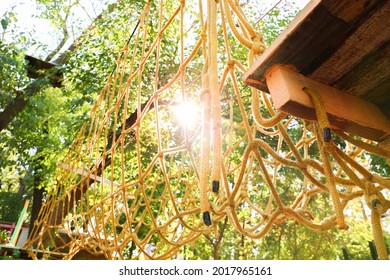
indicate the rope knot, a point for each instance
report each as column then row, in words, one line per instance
column 182, row 69
column 203, row 93
column 375, row 199
column 301, row 164
column 252, row 146
column 258, row 36
column 231, row 64
column 244, row 191
column 258, row 46
column 125, row 49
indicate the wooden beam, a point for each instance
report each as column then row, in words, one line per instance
column 362, row 61
column 37, row 68
column 350, row 11
column 313, row 37
column 368, row 76
column 88, row 174
column 297, row 39
column 345, row 112
column 25, row 253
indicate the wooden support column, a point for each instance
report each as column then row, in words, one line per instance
column 345, row 112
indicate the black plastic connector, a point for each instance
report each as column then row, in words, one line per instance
column 215, row 186
column 327, row 134
column 207, row 218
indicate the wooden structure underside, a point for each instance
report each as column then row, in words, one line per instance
column 343, row 44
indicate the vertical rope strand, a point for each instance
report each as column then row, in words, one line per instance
column 378, row 235
column 214, row 94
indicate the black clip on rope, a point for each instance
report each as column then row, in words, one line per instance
column 207, row 218
column 327, row 134
column 215, row 186
column 375, row 203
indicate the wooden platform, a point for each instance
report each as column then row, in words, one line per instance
column 37, row 68
column 343, row 44
column 9, row 251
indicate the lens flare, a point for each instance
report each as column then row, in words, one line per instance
column 187, row 114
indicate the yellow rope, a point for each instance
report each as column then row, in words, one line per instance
column 214, row 92
column 378, row 235
column 324, row 146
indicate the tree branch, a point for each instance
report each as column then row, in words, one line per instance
column 60, row 45
column 65, row 33
column 17, row 105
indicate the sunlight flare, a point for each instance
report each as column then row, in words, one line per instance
column 187, row 114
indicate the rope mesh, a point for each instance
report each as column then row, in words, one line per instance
column 139, row 181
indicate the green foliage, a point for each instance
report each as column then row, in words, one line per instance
column 3, row 236
column 4, row 23
column 12, row 72
column 379, row 165
column 16, row 254
column 275, row 21
column 10, row 206
column 6, row 20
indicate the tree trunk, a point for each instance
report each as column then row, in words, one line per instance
column 36, row 207
column 18, row 104
column 345, row 254
column 12, row 110
column 38, row 179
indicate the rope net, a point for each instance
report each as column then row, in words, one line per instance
column 142, row 180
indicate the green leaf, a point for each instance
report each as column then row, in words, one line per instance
column 4, row 23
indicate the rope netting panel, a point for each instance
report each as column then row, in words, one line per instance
column 142, row 180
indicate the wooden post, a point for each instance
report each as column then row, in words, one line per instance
column 345, row 112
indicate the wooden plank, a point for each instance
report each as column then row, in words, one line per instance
column 370, row 35
column 381, row 97
column 310, row 38
column 313, row 37
column 350, row 11
column 37, row 68
column 345, row 112
column 367, row 75
column 85, row 173
column 24, row 253
column 385, row 144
